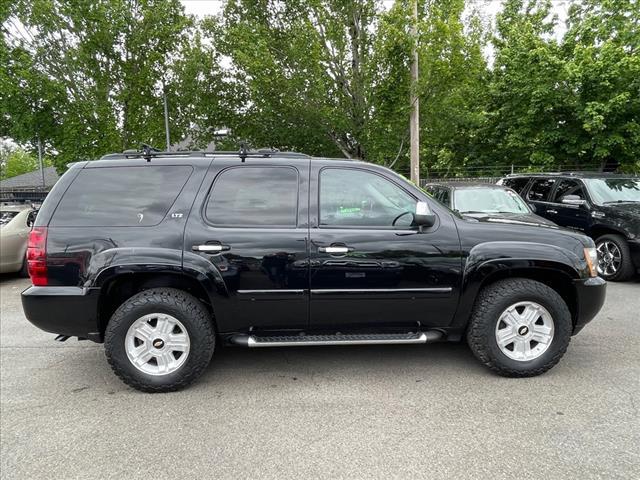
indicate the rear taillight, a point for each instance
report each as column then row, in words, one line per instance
column 37, row 256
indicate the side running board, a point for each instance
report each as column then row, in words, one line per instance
column 336, row 339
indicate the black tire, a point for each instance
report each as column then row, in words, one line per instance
column 492, row 302
column 626, row 270
column 179, row 304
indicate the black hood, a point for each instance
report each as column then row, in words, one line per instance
column 530, row 219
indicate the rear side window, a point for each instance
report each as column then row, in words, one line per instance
column 540, row 189
column 516, row 184
column 254, row 197
column 121, row 196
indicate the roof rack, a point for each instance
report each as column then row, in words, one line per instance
column 147, row 152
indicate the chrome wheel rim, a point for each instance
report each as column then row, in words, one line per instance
column 157, row 344
column 609, row 258
column 524, row 331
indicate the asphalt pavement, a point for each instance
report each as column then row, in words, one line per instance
column 424, row 411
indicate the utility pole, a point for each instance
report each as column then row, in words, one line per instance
column 414, row 121
column 40, row 160
column 166, row 117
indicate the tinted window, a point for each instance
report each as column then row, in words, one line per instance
column 254, row 196
column 359, row 198
column 121, row 196
column 540, row 189
column 516, row 184
column 568, row 187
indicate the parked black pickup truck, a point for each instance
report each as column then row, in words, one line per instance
column 162, row 256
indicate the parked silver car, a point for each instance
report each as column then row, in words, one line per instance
column 15, row 224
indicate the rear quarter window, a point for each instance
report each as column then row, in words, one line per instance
column 517, row 184
column 121, row 196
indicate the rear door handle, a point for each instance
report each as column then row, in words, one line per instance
column 335, row 249
column 211, row 248
column 552, row 211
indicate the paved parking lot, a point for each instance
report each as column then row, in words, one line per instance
column 326, row 412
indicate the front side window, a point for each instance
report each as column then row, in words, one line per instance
column 121, row 196
column 254, row 197
column 357, row 198
column 540, row 189
column 489, row 200
column 614, row 190
column 568, row 187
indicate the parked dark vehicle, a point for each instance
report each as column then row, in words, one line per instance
column 604, row 206
column 163, row 255
column 485, row 202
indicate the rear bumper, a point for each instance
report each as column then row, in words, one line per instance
column 590, row 295
column 69, row 311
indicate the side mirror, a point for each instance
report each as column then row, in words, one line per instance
column 572, row 200
column 532, row 207
column 423, row 217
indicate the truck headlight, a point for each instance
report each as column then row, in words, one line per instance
column 591, row 256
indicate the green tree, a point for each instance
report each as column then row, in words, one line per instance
column 602, row 50
column 17, row 161
column 86, row 76
column 303, row 69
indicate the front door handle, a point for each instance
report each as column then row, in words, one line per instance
column 211, row 248
column 335, row 249
column 552, row 211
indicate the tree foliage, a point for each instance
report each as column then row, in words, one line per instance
column 16, row 161
column 328, row 77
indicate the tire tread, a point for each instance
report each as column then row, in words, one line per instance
column 477, row 332
column 169, row 296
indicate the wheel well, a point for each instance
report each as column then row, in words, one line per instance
column 597, row 232
column 116, row 291
column 557, row 280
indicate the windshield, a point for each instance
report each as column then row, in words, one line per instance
column 488, row 200
column 6, row 217
column 613, row 190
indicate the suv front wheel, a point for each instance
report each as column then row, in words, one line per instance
column 160, row 340
column 519, row 327
column 614, row 258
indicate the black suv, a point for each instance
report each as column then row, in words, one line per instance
column 162, row 256
column 604, row 206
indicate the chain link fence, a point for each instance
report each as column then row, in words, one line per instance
column 487, row 174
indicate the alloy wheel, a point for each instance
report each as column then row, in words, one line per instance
column 157, row 344
column 524, row 331
column 609, row 258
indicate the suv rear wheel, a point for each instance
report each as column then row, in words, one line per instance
column 614, row 258
column 160, row 340
column 519, row 327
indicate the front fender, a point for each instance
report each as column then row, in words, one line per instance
column 503, row 259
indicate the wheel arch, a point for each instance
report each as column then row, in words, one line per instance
column 119, row 287
column 599, row 230
column 495, row 261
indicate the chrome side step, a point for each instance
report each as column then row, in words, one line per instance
column 254, row 341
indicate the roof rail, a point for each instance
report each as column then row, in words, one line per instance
column 148, row 153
